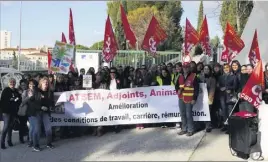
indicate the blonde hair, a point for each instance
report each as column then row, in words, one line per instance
column 41, row 81
column 11, row 79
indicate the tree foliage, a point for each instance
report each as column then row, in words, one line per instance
column 81, row 47
column 97, row 46
column 168, row 13
column 173, row 10
column 236, row 13
column 215, row 41
column 198, row 49
column 139, row 20
column 200, row 16
column 115, row 16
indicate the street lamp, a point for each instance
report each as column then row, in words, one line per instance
column 20, row 37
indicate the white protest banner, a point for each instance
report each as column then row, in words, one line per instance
column 86, row 60
column 87, row 81
column 62, row 56
column 99, row 107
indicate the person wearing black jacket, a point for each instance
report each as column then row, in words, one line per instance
column 26, row 96
column 40, row 103
column 10, row 102
column 217, row 72
column 244, row 76
column 227, row 85
column 114, row 84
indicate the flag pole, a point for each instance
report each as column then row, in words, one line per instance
column 20, row 37
column 137, row 48
column 230, row 114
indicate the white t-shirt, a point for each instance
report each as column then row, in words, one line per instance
column 113, row 85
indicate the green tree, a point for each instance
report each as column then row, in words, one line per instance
column 215, row 41
column 139, row 20
column 168, row 14
column 173, row 10
column 236, row 13
column 119, row 31
column 15, row 61
column 200, row 16
column 228, row 14
column 81, row 47
column 198, row 50
column 244, row 11
column 113, row 8
column 115, row 16
column 97, row 46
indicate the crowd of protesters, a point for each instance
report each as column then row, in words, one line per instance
column 224, row 83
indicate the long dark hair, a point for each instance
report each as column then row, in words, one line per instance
column 239, row 66
column 210, row 70
column 220, row 67
column 168, row 74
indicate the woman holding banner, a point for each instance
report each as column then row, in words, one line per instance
column 102, row 80
column 165, row 79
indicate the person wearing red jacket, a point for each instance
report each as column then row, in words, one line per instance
column 187, row 93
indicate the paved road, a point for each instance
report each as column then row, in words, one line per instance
column 130, row 145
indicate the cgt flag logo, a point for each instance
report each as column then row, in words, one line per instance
column 252, row 91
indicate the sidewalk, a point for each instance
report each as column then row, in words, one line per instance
column 214, row 147
column 151, row 144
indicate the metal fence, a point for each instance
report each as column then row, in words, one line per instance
column 138, row 58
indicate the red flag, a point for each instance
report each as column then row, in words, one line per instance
column 204, row 37
column 252, row 91
column 110, row 47
column 232, row 44
column 71, row 29
column 154, row 35
column 191, row 37
column 254, row 53
column 71, row 36
column 49, row 59
column 128, row 32
column 63, row 38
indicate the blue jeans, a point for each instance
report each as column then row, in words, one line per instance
column 187, row 120
column 35, row 128
column 225, row 108
column 7, row 128
column 34, row 131
column 45, row 119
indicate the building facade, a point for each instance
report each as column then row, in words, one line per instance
column 31, row 59
column 5, row 39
